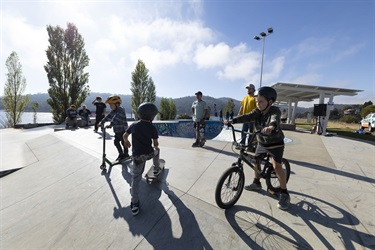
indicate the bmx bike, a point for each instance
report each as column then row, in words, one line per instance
column 231, row 183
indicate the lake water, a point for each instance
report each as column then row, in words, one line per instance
column 28, row 117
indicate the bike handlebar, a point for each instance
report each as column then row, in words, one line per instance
column 237, row 130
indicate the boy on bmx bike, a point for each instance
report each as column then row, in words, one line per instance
column 271, row 139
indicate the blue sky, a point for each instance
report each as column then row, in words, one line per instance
column 202, row 45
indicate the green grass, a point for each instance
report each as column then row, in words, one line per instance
column 342, row 131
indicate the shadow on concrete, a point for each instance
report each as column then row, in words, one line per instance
column 333, row 171
column 154, row 222
column 314, row 211
column 261, row 231
column 9, row 171
column 107, row 135
column 220, row 151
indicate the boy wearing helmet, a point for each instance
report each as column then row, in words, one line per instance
column 118, row 120
column 145, row 146
column 271, row 140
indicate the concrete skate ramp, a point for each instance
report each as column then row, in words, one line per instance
column 185, row 128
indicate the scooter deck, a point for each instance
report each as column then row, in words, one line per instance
column 111, row 164
column 150, row 173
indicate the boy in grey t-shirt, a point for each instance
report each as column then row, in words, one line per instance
column 200, row 112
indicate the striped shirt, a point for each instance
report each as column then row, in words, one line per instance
column 118, row 120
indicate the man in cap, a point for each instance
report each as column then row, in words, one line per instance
column 248, row 104
column 200, row 112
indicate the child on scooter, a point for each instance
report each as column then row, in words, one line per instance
column 145, row 146
column 118, row 120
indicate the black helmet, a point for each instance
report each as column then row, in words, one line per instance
column 268, row 93
column 147, row 111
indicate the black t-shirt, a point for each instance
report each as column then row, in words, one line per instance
column 100, row 106
column 142, row 135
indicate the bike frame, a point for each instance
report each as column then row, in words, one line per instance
column 243, row 155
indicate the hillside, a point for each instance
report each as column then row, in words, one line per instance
column 183, row 104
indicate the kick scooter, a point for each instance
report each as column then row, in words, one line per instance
column 105, row 160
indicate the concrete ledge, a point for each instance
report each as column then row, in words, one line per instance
column 287, row 126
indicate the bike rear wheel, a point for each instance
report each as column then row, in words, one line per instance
column 272, row 181
column 229, row 187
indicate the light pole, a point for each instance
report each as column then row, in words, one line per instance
column 263, row 37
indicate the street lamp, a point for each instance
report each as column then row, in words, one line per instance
column 263, row 37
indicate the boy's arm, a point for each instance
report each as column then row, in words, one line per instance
column 156, row 143
column 125, row 137
column 106, row 118
column 245, row 118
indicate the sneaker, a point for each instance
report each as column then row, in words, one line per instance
column 134, row 207
column 284, row 201
column 120, row 157
column 157, row 170
column 195, row 144
column 125, row 157
column 240, row 146
column 254, row 187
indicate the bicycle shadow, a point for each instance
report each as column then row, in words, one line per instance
column 332, row 171
column 220, row 151
column 262, row 231
column 154, row 220
column 314, row 211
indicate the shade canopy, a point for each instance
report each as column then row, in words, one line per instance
column 307, row 93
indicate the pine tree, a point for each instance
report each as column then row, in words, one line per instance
column 67, row 60
column 13, row 100
column 142, row 87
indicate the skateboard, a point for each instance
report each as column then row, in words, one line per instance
column 150, row 177
column 202, row 131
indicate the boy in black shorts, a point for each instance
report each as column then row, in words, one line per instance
column 145, row 147
column 100, row 111
column 271, row 141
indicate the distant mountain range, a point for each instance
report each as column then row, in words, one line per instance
column 183, row 104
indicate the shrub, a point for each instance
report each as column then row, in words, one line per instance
column 351, row 119
column 184, row 116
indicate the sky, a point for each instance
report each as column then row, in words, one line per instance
column 201, row 45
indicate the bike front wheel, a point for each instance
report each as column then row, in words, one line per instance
column 229, row 187
column 272, row 180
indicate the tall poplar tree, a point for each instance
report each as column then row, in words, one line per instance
column 13, row 100
column 67, row 60
column 142, row 87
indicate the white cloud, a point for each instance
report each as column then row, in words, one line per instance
column 308, row 79
column 212, row 56
column 348, row 52
column 312, row 46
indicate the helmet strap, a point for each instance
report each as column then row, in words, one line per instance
column 268, row 105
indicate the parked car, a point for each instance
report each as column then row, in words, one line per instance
column 368, row 122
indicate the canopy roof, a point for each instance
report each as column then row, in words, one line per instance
column 307, row 93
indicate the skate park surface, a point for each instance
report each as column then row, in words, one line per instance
column 60, row 199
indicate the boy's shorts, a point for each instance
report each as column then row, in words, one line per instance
column 276, row 152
